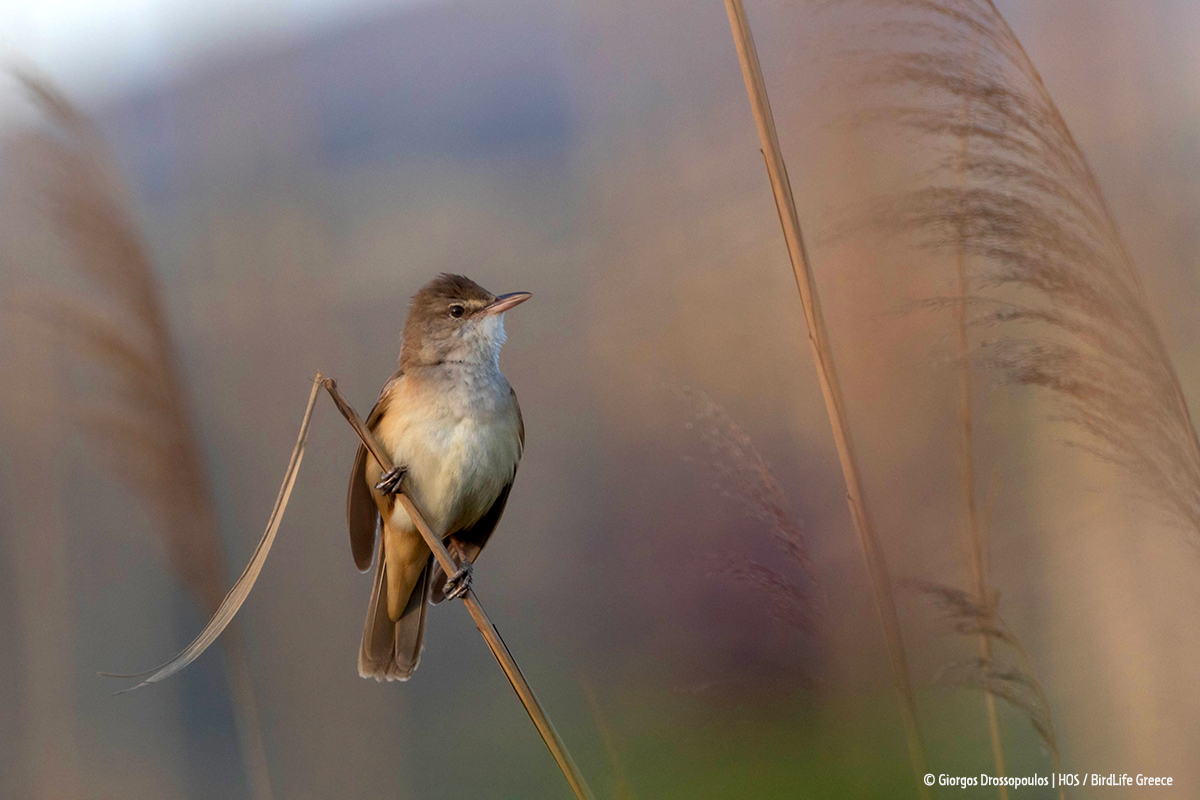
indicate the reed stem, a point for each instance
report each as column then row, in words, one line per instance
column 831, row 389
column 976, row 545
column 490, row 635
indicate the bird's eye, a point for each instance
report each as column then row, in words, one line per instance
column 457, row 311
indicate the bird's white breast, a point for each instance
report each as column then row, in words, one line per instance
column 456, row 430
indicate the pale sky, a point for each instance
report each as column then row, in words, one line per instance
column 94, row 48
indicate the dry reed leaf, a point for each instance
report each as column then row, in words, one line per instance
column 233, row 600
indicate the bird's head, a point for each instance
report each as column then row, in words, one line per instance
column 454, row 319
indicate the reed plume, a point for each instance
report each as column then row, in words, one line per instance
column 1012, row 678
column 1049, row 266
column 743, row 475
column 119, row 326
column 1012, row 192
column 1003, row 670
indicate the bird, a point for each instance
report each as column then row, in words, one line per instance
column 450, row 422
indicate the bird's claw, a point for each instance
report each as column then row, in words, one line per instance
column 459, row 583
column 389, row 483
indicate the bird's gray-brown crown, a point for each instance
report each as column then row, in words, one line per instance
column 453, row 319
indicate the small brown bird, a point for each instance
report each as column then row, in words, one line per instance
column 449, row 420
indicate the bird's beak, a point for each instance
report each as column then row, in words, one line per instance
column 506, row 301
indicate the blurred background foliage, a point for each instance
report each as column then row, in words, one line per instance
column 297, row 175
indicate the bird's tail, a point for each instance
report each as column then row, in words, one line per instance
column 392, row 650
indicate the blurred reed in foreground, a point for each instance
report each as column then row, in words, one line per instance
column 119, row 326
column 1049, row 259
column 38, row 542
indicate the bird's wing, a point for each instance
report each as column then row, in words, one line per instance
column 520, row 421
column 362, row 515
column 469, row 542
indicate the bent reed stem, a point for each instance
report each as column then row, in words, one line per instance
column 490, row 635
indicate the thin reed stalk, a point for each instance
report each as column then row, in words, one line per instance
column 975, row 544
column 490, row 635
column 830, row 387
column 611, row 746
column 977, row 548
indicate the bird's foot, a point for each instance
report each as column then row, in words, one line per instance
column 389, row 483
column 460, row 582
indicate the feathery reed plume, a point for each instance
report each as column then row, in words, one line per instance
column 818, row 337
column 120, row 326
column 743, row 475
column 1015, row 683
column 1051, row 256
column 1012, row 190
